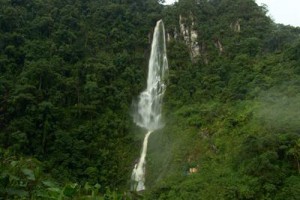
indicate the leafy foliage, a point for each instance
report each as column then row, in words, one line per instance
column 69, row 71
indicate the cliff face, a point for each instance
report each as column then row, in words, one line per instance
column 190, row 35
column 218, row 45
column 236, row 26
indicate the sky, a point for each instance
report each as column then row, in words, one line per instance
column 281, row 11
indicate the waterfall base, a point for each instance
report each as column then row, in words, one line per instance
column 139, row 170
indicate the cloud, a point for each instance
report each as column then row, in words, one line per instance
column 279, row 110
column 284, row 12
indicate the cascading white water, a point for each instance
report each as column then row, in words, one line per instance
column 148, row 113
column 148, row 109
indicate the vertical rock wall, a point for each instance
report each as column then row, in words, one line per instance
column 190, row 35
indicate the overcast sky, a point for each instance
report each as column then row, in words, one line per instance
column 282, row 11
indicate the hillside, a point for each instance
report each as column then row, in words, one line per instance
column 70, row 70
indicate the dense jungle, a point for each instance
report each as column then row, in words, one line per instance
column 70, row 70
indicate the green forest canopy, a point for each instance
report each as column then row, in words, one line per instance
column 70, row 69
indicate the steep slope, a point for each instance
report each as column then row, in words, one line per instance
column 232, row 119
column 69, row 72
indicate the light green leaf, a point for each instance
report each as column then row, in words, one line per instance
column 29, row 174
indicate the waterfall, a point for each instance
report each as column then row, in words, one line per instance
column 149, row 106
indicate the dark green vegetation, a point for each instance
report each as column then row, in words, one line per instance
column 69, row 71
